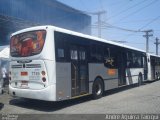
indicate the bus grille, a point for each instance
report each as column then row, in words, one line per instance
column 16, row 66
column 27, row 66
column 33, row 66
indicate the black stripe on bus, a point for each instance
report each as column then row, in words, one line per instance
column 16, row 66
column 33, row 66
column 106, row 79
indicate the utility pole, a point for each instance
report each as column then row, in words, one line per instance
column 147, row 35
column 99, row 14
column 157, row 43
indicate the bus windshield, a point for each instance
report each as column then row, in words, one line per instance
column 27, row 44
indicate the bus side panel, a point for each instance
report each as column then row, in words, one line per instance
column 63, row 81
column 95, row 70
column 132, row 75
column 149, row 71
column 111, row 84
column 51, row 72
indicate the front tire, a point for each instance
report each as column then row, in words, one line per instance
column 98, row 88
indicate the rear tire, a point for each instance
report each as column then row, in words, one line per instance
column 97, row 89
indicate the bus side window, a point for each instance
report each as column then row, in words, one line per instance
column 110, row 58
column 129, row 60
column 106, row 52
column 93, row 53
column 138, row 61
column 82, row 55
column 96, row 53
column 99, row 53
column 60, row 53
column 74, row 54
column 134, row 60
column 61, row 49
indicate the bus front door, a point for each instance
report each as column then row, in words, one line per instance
column 122, row 68
column 79, row 71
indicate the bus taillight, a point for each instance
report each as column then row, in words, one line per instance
column 43, row 73
column 44, row 79
column 43, row 76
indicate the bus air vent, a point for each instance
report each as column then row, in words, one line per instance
column 33, row 66
column 16, row 66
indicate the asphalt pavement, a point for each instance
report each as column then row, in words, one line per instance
column 127, row 100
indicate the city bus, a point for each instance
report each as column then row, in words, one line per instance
column 53, row 64
column 153, row 67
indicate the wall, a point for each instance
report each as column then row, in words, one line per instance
column 19, row 14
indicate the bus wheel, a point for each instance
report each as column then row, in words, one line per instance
column 97, row 89
column 140, row 79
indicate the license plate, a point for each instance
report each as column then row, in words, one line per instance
column 24, row 84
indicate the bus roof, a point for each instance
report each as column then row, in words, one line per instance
column 153, row 55
column 76, row 34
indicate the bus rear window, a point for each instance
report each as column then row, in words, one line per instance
column 27, row 44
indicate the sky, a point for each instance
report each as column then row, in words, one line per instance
column 123, row 20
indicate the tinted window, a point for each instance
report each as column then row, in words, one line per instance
column 74, row 54
column 96, row 53
column 61, row 46
column 60, row 53
column 82, row 55
column 111, row 57
column 134, row 60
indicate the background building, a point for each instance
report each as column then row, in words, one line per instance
column 19, row 14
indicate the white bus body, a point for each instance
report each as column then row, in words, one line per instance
column 69, row 64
